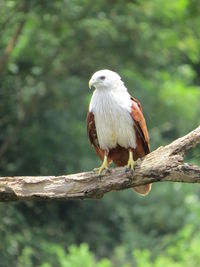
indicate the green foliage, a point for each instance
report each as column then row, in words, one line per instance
column 184, row 251
column 57, row 256
column 154, row 45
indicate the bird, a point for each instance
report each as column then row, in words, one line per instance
column 116, row 125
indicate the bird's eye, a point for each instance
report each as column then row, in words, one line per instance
column 102, row 78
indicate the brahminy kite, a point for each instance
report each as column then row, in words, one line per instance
column 116, row 125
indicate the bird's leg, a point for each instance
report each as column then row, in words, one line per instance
column 131, row 163
column 104, row 166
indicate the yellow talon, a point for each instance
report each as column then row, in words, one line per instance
column 103, row 167
column 131, row 162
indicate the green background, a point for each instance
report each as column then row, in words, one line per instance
column 155, row 46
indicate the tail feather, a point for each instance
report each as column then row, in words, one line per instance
column 142, row 189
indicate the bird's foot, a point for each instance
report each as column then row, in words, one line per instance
column 131, row 163
column 103, row 169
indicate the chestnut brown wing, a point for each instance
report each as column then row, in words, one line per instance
column 140, row 125
column 92, row 134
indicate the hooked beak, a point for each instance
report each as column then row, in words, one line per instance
column 91, row 83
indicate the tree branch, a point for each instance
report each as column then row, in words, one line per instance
column 11, row 45
column 163, row 164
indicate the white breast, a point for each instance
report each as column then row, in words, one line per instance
column 112, row 113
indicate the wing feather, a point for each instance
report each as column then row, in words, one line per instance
column 92, row 134
column 140, row 124
column 91, row 128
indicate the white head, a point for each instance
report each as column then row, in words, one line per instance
column 105, row 79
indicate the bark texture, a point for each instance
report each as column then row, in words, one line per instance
column 163, row 164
